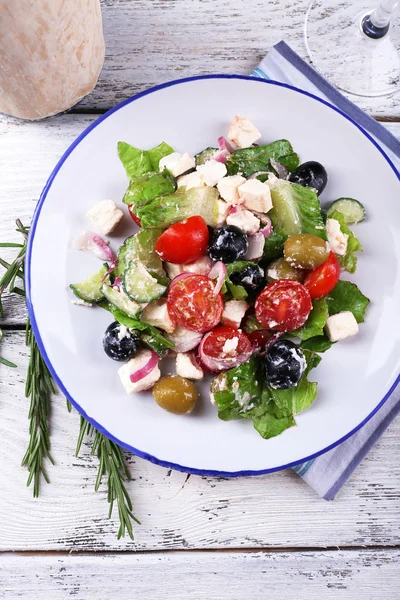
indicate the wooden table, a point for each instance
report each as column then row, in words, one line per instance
column 262, row 537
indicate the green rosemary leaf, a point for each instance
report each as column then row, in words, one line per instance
column 7, row 363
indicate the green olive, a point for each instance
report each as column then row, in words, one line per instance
column 175, row 394
column 280, row 269
column 305, row 251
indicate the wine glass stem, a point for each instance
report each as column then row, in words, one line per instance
column 376, row 24
column 380, row 17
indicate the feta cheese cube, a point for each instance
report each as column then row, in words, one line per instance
column 229, row 348
column 228, row 188
column 212, row 171
column 336, row 239
column 105, row 216
column 233, row 313
column 186, row 366
column 242, row 132
column 191, row 180
column 201, row 266
column 255, row 195
column 156, row 313
column 244, row 219
column 177, row 163
column 133, row 366
column 340, row 326
column 223, row 212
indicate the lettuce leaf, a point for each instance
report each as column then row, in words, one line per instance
column 314, row 326
column 349, row 260
column 163, row 211
column 273, row 246
column 148, row 186
column 347, row 296
column 139, row 162
column 320, row 343
column 151, row 333
column 256, row 158
column 242, row 393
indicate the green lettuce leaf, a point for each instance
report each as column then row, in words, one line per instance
column 163, row 211
column 349, row 260
column 347, row 296
column 236, row 391
column 270, row 423
column 256, row 158
column 152, row 333
column 296, row 209
column 273, row 246
column 148, row 186
column 314, row 326
column 139, row 162
column 320, row 343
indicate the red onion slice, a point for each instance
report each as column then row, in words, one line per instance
column 219, row 272
column 179, row 277
column 225, row 145
column 257, row 173
column 223, row 364
column 280, row 169
column 184, row 339
column 93, row 243
column 267, row 230
column 117, row 283
column 146, row 369
column 221, row 156
column 256, row 246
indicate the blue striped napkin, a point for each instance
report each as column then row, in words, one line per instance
column 327, row 473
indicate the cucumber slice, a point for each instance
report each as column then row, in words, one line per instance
column 140, row 285
column 140, row 246
column 90, row 289
column 122, row 301
column 352, row 210
column 205, row 155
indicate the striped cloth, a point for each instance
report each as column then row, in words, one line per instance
column 327, row 473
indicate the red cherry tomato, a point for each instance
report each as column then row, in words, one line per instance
column 183, row 242
column 218, row 353
column 323, row 279
column 134, row 217
column 192, row 304
column 283, row 305
column 259, row 338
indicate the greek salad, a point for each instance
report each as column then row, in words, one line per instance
column 234, row 271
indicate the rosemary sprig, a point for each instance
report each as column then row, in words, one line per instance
column 112, row 464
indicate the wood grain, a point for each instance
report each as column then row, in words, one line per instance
column 359, row 575
column 272, row 511
column 149, row 42
column 28, row 154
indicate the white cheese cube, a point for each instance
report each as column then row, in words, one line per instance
column 340, row 326
column 244, row 219
column 177, row 163
column 212, row 171
column 156, row 314
column 336, row 239
column 105, row 216
column 191, row 180
column 242, row 132
column 186, row 366
column 228, row 188
column 223, row 212
column 201, row 266
column 233, row 313
column 132, row 367
column 255, row 195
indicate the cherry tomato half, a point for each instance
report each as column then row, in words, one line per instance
column 224, row 348
column 134, row 217
column 283, row 305
column 183, row 242
column 259, row 338
column 323, row 279
column 192, row 304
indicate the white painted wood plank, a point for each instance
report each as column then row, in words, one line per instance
column 28, row 153
column 276, row 510
column 149, row 42
column 353, row 575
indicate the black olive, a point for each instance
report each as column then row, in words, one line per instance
column 284, row 365
column 310, row 174
column 251, row 278
column 227, row 244
column 120, row 343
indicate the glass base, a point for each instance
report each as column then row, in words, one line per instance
column 345, row 56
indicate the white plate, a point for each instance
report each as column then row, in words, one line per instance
column 355, row 377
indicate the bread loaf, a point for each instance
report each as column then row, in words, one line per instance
column 51, row 54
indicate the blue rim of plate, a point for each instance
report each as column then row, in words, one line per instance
column 31, row 311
